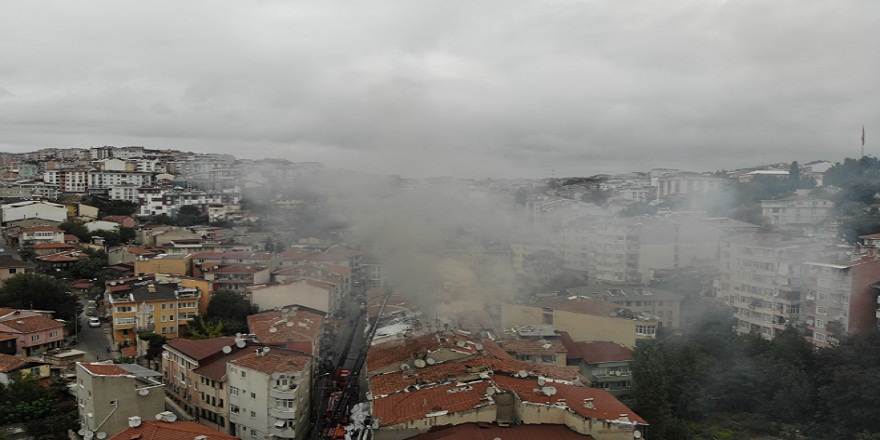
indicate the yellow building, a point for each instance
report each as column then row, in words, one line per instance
column 585, row 319
column 150, row 305
column 177, row 264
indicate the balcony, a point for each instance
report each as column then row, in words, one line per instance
column 282, row 393
column 282, row 432
column 282, row 413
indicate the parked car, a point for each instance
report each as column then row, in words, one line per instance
column 94, row 322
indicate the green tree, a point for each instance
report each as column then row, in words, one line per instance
column 230, row 306
column 42, row 292
column 77, row 228
column 199, row 328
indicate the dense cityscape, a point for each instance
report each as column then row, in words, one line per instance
column 161, row 294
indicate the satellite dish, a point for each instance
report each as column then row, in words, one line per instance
column 266, row 350
column 272, row 329
column 541, row 381
column 430, row 361
column 82, row 431
column 112, row 283
column 419, row 363
column 276, row 376
column 637, row 434
column 158, row 416
column 404, row 366
column 227, row 349
column 240, row 343
column 89, row 435
column 522, row 373
column 549, row 390
column 479, row 346
column 289, row 324
column 172, row 417
column 490, row 391
column 461, row 344
column 292, row 313
column 101, row 435
column 143, row 391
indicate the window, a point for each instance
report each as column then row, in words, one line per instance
column 234, row 409
column 233, row 391
column 253, row 414
column 285, row 403
column 35, row 338
column 124, row 309
column 253, row 395
column 821, row 310
column 11, row 271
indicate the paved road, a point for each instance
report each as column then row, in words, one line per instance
column 93, row 341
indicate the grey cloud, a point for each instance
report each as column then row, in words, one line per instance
column 473, row 89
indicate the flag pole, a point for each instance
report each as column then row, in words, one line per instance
column 863, row 140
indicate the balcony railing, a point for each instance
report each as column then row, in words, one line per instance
column 281, row 393
column 282, row 413
column 282, row 432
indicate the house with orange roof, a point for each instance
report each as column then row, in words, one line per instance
column 450, row 378
column 269, row 394
column 35, row 334
column 585, row 319
column 180, row 358
column 147, row 429
column 130, row 254
column 60, row 260
column 293, row 327
column 109, row 394
column 13, row 368
column 606, row 364
column 50, row 248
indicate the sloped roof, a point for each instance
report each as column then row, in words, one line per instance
column 180, row 430
column 533, row 346
column 489, row 431
column 306, row 325
column 29, row 324
column 199, row 349
column 9, row 363
column 277, row 360
column 598, row 351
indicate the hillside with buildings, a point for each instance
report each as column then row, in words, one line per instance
column 232, row 298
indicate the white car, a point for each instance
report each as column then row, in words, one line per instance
column 94, row 322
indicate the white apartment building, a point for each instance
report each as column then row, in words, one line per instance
column 269, row 394
column 799, row 209
column 762, row 278
column 102, row 180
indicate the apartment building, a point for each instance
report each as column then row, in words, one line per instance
column 237, row 277
column 147, row 304
column 761, row 276
column 650, row 301
column 797, row 210
column 840, row 293
column 185, row 389
column 109, row 394
column 269, row 394
column 585, row 319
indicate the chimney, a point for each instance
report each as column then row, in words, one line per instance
column 134, row 422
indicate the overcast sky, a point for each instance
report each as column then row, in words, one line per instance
column 466, row 89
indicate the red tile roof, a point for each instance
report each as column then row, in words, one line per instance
column 29, row 324
column 53, row 245
column 104, row 369
column 488, row 431
column 533, row 346
column 199, row 349
column 305, row 325
column 10, row 363
column 41, row 229
column 275, row 361
column 596, row 352
column 159, row 430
